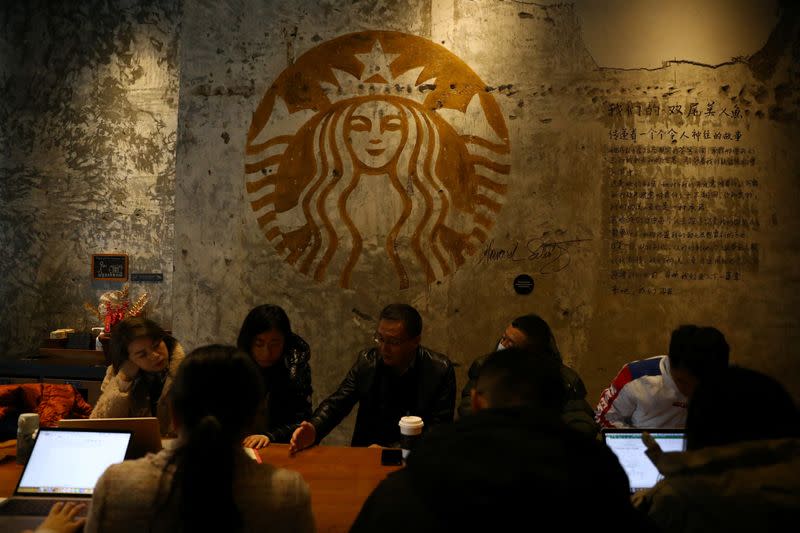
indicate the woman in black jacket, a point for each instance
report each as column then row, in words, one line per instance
column 283, row 358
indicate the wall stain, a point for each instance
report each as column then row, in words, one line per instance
column 92, row 167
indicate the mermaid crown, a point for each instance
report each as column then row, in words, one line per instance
column 377, row 79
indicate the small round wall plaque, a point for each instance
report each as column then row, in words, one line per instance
column 523, row 284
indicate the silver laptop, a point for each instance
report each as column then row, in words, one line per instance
column 146, row 431
column 627, row 445
column 64, row 465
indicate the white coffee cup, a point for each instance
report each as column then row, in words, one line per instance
column 27, row 427
column 410, row 431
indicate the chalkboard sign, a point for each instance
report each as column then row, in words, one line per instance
column 113, row 267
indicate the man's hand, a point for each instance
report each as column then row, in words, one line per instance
column 653, row 451
column 303, row 437
column 639, row 498
column 129, row 370
column 256, row 441
column 62, row 518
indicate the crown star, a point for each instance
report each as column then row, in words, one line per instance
column 376, row 79
column 376, row 64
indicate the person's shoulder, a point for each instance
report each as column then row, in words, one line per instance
column 132, row 471
column 437, row 358
column 299, row 352
column 570, row 375
column 395, row 485
column 367, row 356
column 176, row 355
column 652, row 366
column 110, row 372
column 592, row 459
column 478, row 363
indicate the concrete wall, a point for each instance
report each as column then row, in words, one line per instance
column 246, row 82
column 501, row 148
column 88, row 126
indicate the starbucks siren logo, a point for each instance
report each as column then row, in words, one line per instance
column 377, row 155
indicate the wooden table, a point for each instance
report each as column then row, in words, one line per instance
column 340, row 479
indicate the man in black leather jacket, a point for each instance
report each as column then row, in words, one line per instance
column 398, row 377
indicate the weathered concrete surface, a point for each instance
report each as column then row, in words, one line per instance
column 555, row 210
column 87, row 125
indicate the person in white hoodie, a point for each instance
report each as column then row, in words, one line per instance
column 654, row 393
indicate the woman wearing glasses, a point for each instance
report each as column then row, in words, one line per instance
column 144, row 360
column 283, row 359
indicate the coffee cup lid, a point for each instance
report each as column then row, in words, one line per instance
column 28, row 421
column 411, row 422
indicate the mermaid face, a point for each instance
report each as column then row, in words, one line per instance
column 375, row 131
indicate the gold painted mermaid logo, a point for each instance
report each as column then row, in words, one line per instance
column 378, row 157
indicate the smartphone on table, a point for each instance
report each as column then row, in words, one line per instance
column 392, row 457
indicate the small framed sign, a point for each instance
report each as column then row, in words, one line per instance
column 147, row 277
column 110, row 267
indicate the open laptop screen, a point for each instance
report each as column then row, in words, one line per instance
column 69, row 462
column 627, row 445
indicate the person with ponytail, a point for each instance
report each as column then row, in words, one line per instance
column 206, row 482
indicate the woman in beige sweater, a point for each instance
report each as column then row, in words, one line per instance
column 207, row 482
column 144, row 360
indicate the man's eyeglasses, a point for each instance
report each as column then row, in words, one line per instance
column 380, row 339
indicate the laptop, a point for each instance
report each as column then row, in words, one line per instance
column 146, row 431
column 64, row 465
column 627, row 445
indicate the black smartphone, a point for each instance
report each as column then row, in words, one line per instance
column 392, row 456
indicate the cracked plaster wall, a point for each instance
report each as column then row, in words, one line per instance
column 555, row 102
column 88, row 127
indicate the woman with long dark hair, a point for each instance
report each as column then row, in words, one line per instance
column 144, row 359
column 206, row 482
column 283, row 360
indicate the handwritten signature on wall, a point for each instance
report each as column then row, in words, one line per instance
column 551, row 255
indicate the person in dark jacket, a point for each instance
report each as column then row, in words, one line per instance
column 284, row 360
column 533, row 333
column 741, row 469
column 511, row 465
column 396, row 378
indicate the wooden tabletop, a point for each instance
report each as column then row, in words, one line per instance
column 340, row 479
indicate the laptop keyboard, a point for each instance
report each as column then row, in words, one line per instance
column 28, row 506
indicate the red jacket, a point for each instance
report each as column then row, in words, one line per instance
column 51, row 401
